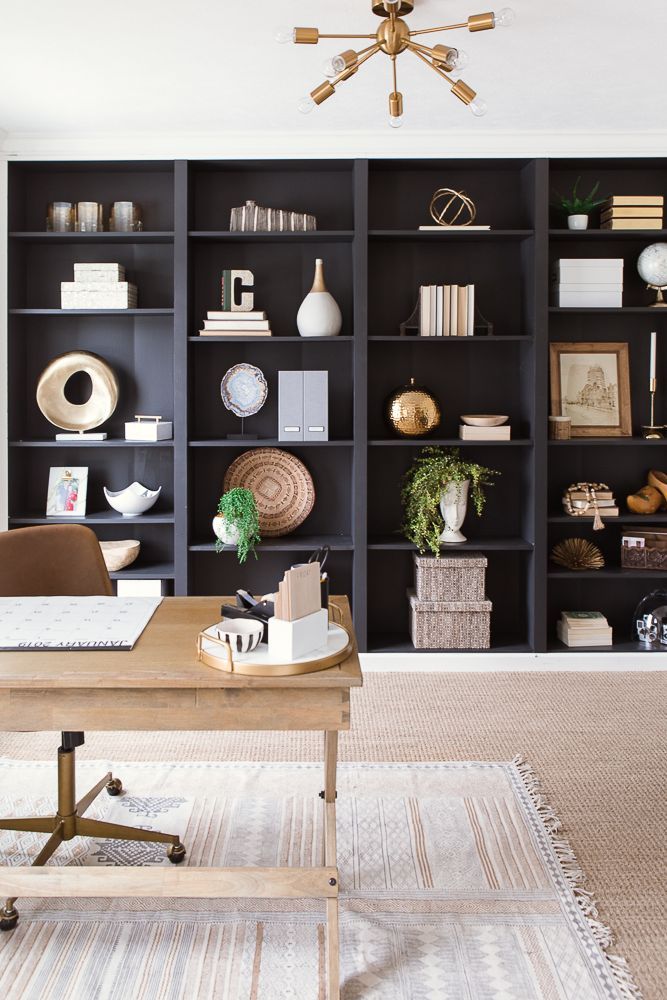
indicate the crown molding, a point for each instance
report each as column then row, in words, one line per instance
column 302, row 144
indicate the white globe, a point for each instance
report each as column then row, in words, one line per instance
column 652, row 265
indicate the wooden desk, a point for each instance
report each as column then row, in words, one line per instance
column 159, row 685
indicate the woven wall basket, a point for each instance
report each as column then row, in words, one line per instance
column 282, row 486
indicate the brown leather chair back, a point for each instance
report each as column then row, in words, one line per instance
column 51, row 561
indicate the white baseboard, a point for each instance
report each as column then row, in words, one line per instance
column 477, row 663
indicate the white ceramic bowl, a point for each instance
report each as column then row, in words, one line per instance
column 241, row 634
column 484, row 419
column 118, row 555
column 133, row 500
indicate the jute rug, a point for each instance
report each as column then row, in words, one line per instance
column 455, row 886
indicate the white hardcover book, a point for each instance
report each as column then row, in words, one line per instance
column 462, row 311
column 502, row 433
column 470, row 325
column 423, row 311
column 446, row 310
column 228, row 314
column 239, row 322
column 453, row 309
column 431, row 322
column 439, row 328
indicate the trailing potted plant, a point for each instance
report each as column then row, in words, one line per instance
column 578, row 207
column 237, row 522
column 435, row 490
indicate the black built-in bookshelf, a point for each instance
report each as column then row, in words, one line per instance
column 368, row 213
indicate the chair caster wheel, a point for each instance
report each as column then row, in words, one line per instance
column 176, row 853
column 8, row 919
column 114, row 787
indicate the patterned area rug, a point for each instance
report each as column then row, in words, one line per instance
column 455, row 886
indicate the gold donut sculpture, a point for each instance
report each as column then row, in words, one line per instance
column 57, row 408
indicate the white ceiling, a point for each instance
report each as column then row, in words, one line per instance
column 197, row 67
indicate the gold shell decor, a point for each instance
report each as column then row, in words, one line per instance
column 577, row 554
column 412, row 410
column 447, row 206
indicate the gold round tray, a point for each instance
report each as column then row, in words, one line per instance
column 218, row 655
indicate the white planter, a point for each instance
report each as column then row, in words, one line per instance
column 577, row 222
column 453, row 507
column 226, row 532
column 319, row 315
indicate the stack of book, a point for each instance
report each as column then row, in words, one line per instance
column 236, row 324
column 502, row 433
column 591, row 282
column 446, row 310
column 577, row 503
column 632, row 211
column 98, row 286
column 584, row 628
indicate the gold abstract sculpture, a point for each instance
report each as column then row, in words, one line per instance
column 392, row 38
column 80, row 417
column 577, row 554
column 413, row 411
column 444, row 210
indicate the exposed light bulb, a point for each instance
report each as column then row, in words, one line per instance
column 332, row 67
column 478, row 107
column 284, row 35
column 306, row 105
column 504, row 17
column 460, row 60
column 395, row 121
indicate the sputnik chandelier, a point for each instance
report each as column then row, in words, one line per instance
column 394, row 37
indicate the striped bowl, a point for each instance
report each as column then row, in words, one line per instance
column 242, row 635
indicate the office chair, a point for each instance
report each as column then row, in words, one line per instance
column 57, row 560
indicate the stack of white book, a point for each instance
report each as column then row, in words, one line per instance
column 584, row 628
column 595, row 282
column 446, row 310
column 236, row 324
column 98, row 286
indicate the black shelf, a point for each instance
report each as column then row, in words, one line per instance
column 157, row 236
column 113, row 443
column 448, row 443
column 615, row 573
column 608, row 234
column 134, row 313
column 610, row 522
column 556, row 646
column 313, row 236
column 267, row 443
column 614, row 442
column 389, row 543
column 609, row 311
column 291, row 543
column 99, row 517
column 148, row 571
column 398, row 643
column 451, row 235
column 478, row 339
column 225, row 338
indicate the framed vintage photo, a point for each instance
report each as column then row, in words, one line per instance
column 590, row 384
column 67, row 490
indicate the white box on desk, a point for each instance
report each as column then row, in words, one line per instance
column 596, row 297
column 291, row 640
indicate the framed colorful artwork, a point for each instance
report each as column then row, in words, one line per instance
column 590, row 384
column 66, row 496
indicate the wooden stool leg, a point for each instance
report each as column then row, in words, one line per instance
column 333, row 941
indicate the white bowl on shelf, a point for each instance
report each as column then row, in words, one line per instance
column 119, row 555
column 135, row 499
column 484, row 419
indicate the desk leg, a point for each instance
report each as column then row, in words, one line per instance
column 333, row 942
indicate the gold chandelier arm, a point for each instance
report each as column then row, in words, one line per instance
column 444, row 27
column 346, row 36
column 415, row 48
column 328, row 88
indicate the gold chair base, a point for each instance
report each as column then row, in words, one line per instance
column 69, row 822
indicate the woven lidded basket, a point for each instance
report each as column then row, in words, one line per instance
column 450, row 624
column 450, row 578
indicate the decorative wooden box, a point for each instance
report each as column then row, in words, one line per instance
column 644, row 549
column 450, row 578
column 450, row 624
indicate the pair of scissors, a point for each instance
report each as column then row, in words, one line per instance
column 320, row 555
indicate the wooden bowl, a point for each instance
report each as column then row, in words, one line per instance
column 118, row 555
column 484, row 419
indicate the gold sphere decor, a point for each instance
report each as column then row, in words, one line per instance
column 413, row 411
column 79, row 417
column 577, row 554
column 447, row 206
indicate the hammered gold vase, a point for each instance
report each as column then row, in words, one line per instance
column 412, row 410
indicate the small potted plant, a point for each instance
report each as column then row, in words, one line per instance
column 578, row 207
column 435, row 497
column 237, row 522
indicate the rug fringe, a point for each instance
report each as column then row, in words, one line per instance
column 575, row 877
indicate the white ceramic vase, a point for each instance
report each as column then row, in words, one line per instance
column 577, row 222
column 319, row 315
column 453, row 507
column 226, row 532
